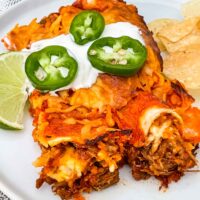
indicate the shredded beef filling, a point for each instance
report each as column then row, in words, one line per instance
column 168, row 163
column 102, row 158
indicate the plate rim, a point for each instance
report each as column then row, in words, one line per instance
column 6, row 190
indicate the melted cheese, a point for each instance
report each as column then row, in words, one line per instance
column 70, row 167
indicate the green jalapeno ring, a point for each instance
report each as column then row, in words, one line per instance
column 47, row 74
column 87, row 26
column 123, row 56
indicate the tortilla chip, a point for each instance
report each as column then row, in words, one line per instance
column 157, row 25
column 176, row 46
column 191, row 9
column 179, row 30
column 184, row 65
column 181, row 34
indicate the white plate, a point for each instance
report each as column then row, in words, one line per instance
column 18, row 151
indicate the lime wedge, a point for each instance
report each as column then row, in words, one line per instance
column 13, row 93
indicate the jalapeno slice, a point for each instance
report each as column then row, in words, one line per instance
column 122, row 56
column 51, row 68
column 87, row 26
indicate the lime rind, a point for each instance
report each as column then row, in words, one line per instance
column 10, row 126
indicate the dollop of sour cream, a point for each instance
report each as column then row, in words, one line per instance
column 86, row 74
